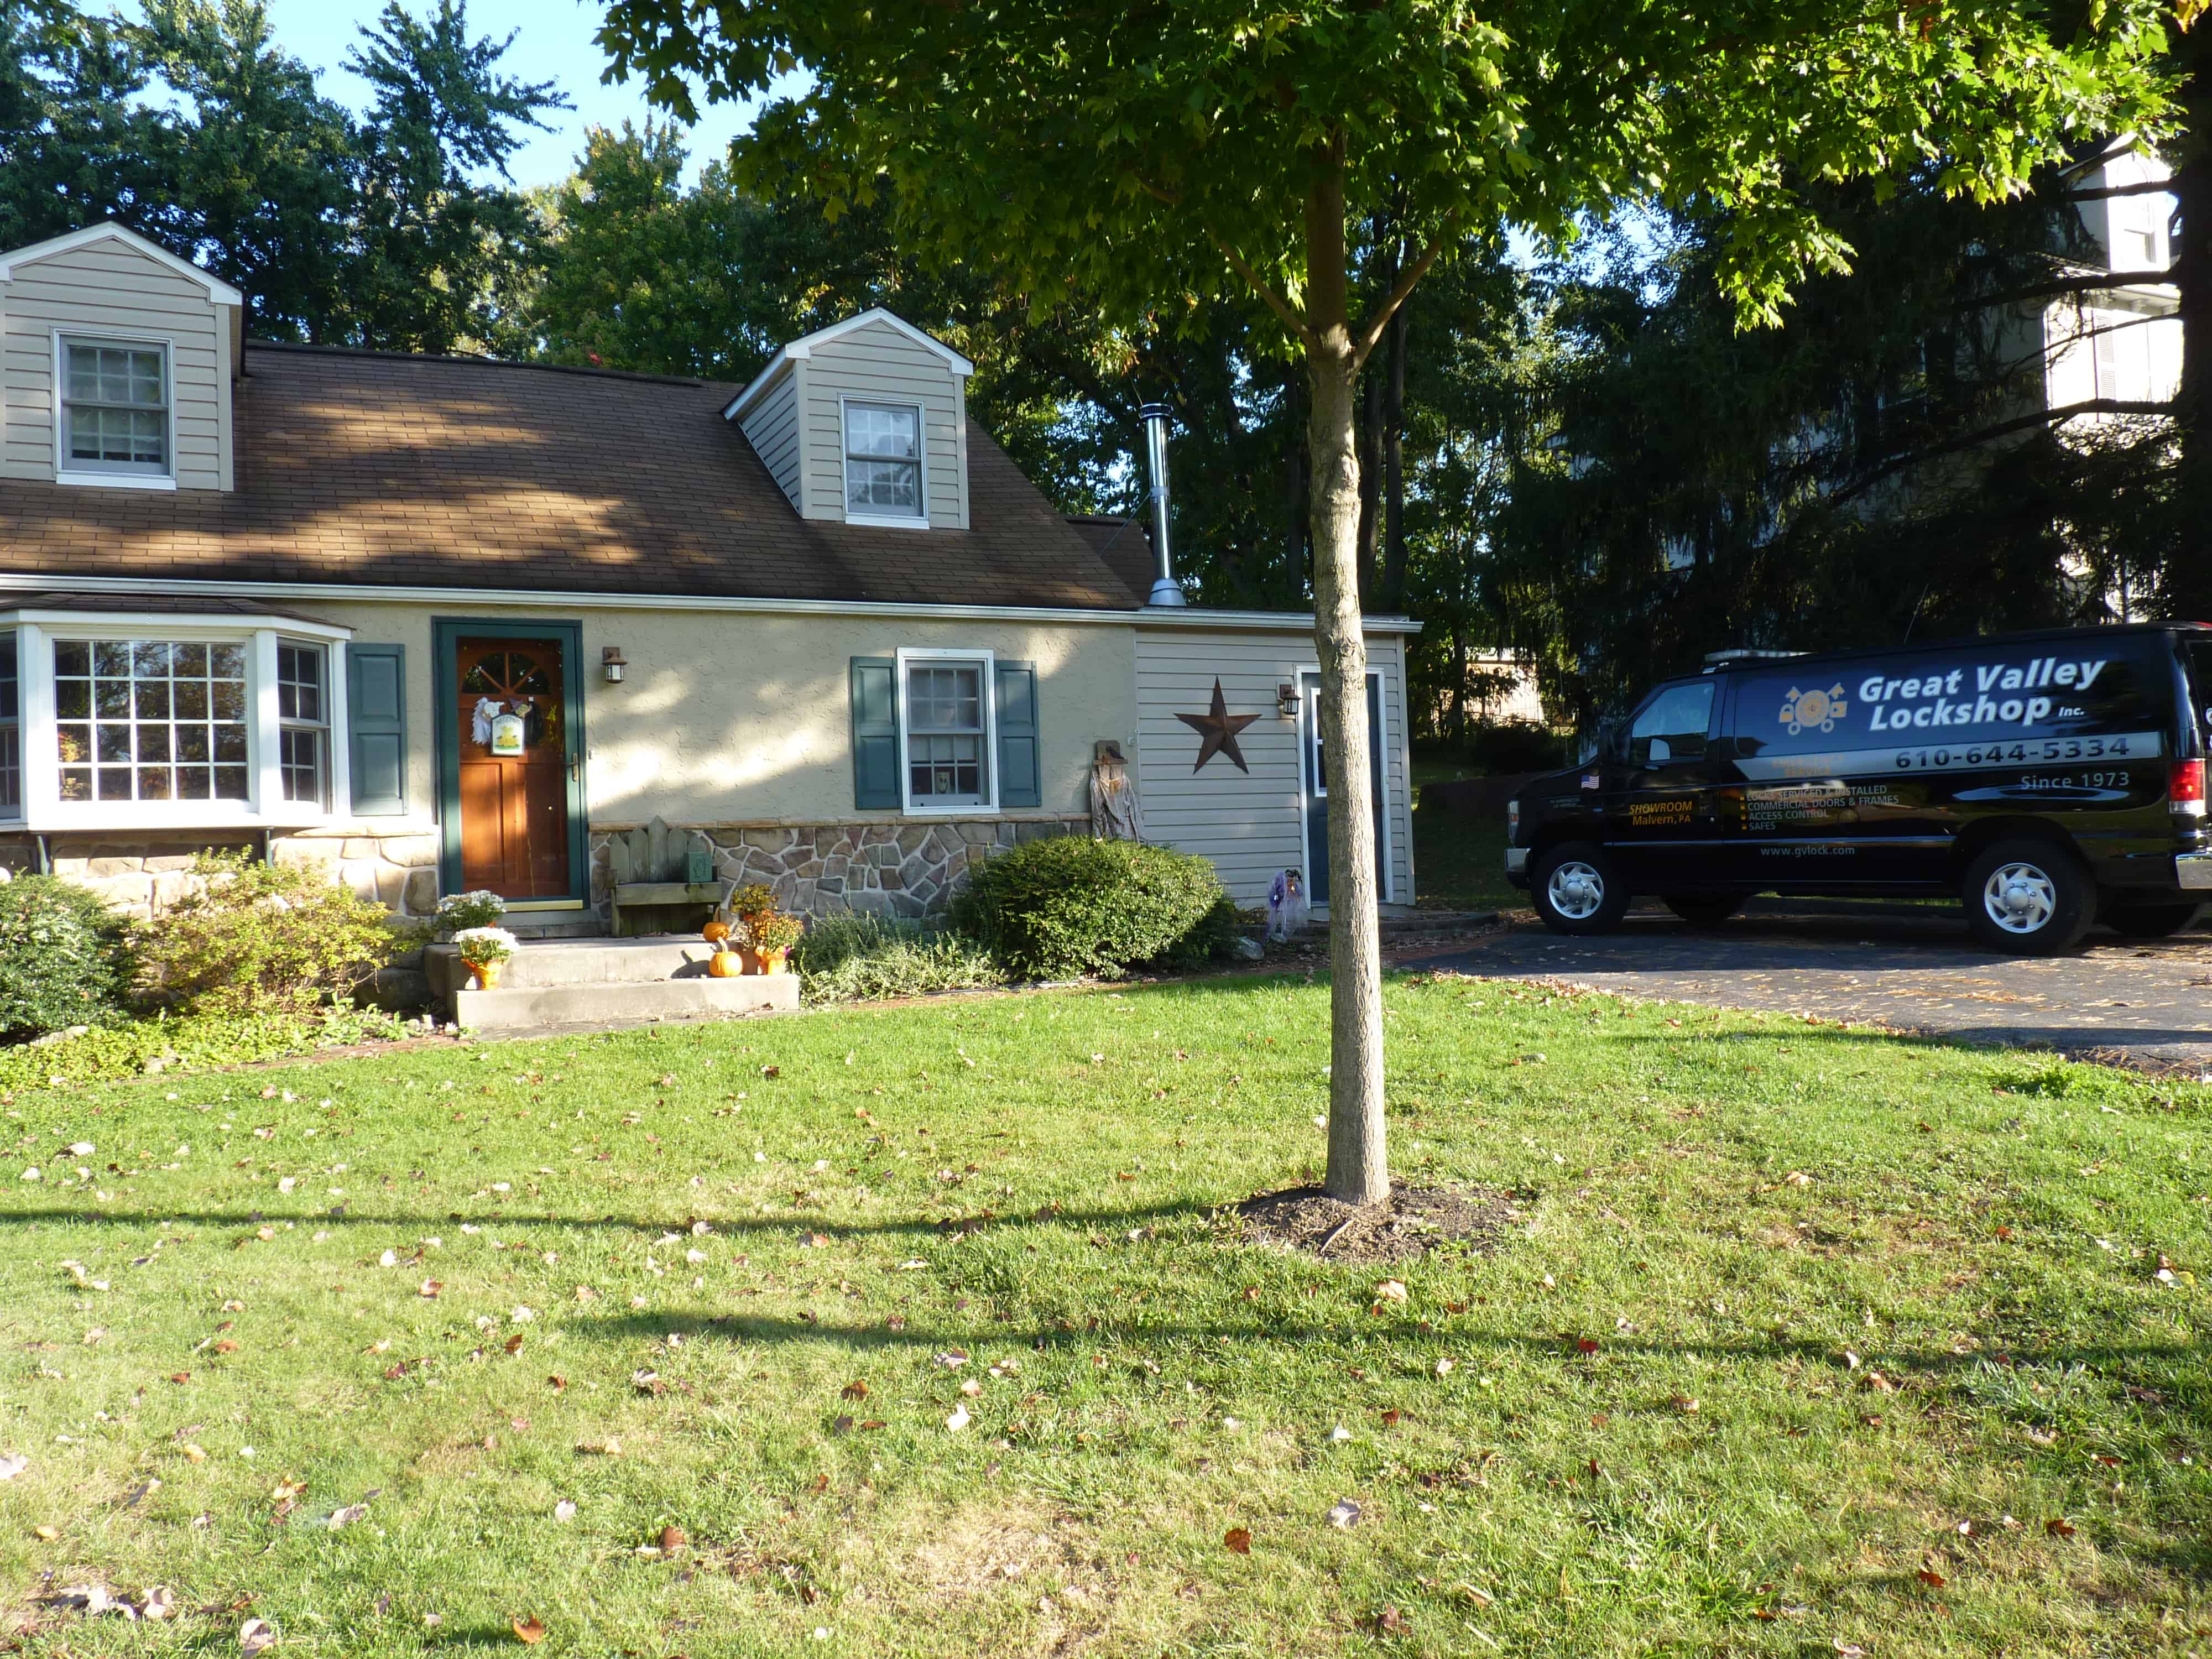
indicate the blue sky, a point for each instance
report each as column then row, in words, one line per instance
column 553, row 42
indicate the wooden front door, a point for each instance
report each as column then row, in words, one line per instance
column 514, row 764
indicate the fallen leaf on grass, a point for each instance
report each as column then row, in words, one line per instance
column 1391, row 1622
column 959, row 1420
column 429, row 1289
column 1345, row 1515
column 672, row 1538
column 13, row 1465
column 254, row 1636
column 528, row 1630
column 564, row 1510
column 1929, row 1575
column 347, row 1516
column 514, row 1343
column 557, row 1382
column 855, row 1390
column 1391, row 1290
column 2059, row 1527
column 1237, row 1540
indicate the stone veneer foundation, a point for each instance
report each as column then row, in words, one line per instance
column 142, row 875
column 898, row 868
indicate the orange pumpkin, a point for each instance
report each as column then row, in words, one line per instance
column 715, row 931
column 725, row 964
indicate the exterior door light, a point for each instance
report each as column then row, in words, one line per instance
column 1286, row 700
column 611, row 663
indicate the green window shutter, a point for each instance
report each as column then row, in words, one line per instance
column 376, row 718
column 875, row 732
column 1019, row 780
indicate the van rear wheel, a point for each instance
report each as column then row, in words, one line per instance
column 1703, row 910
column 2152, row 921
column 1578, row 890
column 2028, row 898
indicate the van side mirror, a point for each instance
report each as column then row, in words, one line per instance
column 1661, row 752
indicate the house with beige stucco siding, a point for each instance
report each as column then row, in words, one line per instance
column 447, row 624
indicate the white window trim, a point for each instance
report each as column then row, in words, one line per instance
column 989, row 660
column 265, row 807
column 879, row 520
column 1309, row 733
column 63, row 473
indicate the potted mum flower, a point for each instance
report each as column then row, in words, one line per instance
column 481, row 909
column 773, row 936
column 486, row 950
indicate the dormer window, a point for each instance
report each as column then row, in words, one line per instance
column 883, row 462
column 114, row 412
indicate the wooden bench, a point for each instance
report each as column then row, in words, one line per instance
column 660, row 872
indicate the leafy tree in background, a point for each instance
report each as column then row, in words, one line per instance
column 263, row 167
column 441, row 257
column 77, row 144
column 1142, row 156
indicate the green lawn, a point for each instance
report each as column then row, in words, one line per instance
column 1805, row 1342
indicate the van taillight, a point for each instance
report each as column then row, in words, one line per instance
column 2185, row 786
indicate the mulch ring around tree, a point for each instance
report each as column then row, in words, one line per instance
column 1410, row 1222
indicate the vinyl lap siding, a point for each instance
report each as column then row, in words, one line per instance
column 771, row 426
column 1249, row 825
column 108, row 288
column 878, row 362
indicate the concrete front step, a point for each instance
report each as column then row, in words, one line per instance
column 508, row 1009
column 553, row 923
column 564, row 980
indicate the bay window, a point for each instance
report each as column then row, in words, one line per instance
column 151, row 720
column 303, row 722
column 111, row 722
column 11, row 732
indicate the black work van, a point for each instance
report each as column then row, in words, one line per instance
column 2049, row 781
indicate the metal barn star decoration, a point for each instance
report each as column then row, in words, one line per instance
column 1218, row 728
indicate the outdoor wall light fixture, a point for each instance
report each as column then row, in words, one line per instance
column 1286, row 700
column 611, row 663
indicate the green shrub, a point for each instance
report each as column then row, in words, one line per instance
column 860, row 958
column 198, row 1042
column 254, row 938
column 1069, row 905
column 64, row 957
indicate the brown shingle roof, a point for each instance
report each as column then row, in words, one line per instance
column 361, row 467
column 1125, row 546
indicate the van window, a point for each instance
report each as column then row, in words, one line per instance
column 1957, row 700
column 2198, row 655
column 1671, row 725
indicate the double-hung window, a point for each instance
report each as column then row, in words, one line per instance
column 947, row 732
column 114, row 409
column 303, row 723
column 883, row 462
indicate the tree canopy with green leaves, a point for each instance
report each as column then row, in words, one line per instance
column 1151, row 155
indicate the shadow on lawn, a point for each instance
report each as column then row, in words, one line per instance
column 627, row 1326
column 797, row 1224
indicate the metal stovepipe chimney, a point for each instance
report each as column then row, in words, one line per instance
column 1166, row 589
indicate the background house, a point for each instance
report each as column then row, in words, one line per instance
column 448, row 623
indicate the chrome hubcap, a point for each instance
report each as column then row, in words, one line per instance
column 2019, row 898
column 1576, row 889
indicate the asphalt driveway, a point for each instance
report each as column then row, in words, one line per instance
column 1910, row 970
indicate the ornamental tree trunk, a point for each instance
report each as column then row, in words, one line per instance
column 1358, row 1167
